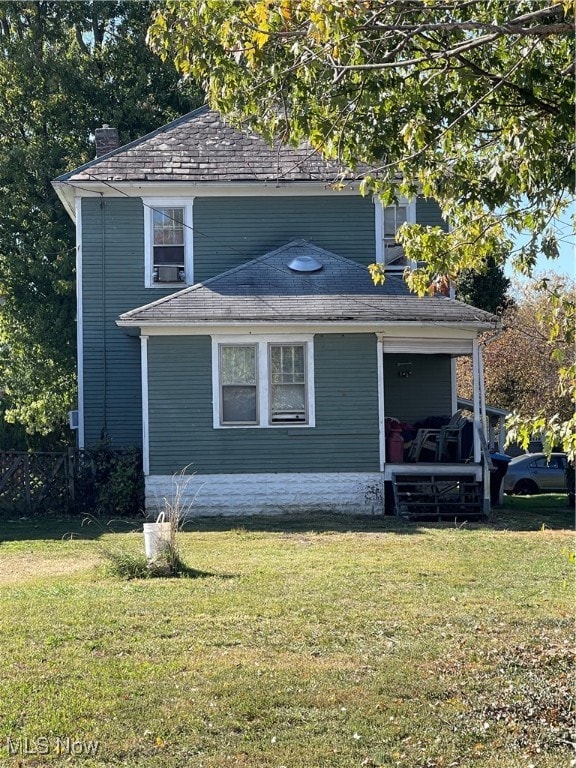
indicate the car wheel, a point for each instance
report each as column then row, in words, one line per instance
column 525, row 487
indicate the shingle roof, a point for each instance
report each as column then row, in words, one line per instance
column 267, row 290
column 201, row 147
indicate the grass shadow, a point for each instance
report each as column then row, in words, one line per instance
column 63, row 528
column 306, row 523
column 518, row 513
column 531, row 513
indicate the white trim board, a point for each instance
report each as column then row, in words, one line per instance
column 145, row 405
column 79, row 323
column 388, row 331
column 422, row 468
column 381, row 405
column 68, row 190
column 428, row 346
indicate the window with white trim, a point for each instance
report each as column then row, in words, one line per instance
column 263, row 381
column 287, row 383
column 168, row 242
column 389, row 219
column 238, row 384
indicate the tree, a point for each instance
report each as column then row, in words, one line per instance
column 523, row 367
column 65, row 68
column 470, row 102
column 553, row 307
column 486, row 290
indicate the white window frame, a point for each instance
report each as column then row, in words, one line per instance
column 289, row 344
column 379, row 229
column 263, row 343
column 256, row 384
column 150, row 203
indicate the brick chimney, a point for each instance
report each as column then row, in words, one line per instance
column 106, row 140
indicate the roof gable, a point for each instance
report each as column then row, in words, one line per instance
column 202, row 147
column 266, row 289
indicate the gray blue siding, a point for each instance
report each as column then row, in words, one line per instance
column 228, row 231
column 112, row 283
column 345, row 438
column 428, row 213
column 231, row 230
column 426, row 392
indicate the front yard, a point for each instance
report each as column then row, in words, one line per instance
column 331, row 642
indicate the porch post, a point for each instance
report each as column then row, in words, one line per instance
column 381, row 422
column 476, row 398
column 483, row 415
column 479, row 422
column 501, row 433
column 454, row 385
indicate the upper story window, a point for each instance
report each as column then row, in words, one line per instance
column 263, row 382
column 168, row 242
column 389, row 219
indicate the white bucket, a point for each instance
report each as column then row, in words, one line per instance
column 157, row 536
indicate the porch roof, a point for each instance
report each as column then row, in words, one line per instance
column 267, row 290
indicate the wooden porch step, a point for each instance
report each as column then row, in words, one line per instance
column 430, row 496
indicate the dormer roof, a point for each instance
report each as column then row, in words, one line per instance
column 270, row 289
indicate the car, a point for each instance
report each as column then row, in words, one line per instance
column 536, row 473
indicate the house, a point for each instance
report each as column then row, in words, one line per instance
column 227, row 324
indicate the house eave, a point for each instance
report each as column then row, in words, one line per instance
column 199, row 188
column 151, row 328
column 67, row 196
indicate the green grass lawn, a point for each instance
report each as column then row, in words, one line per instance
column 335, row 642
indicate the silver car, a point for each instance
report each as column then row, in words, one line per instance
column 535, row 473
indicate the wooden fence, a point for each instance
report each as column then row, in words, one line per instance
column 41, row 483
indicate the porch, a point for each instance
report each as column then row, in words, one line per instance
column 435, row 455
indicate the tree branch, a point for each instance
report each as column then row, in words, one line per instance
column 529, row 96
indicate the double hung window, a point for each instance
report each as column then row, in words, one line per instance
column 263, row 382
column 168, row 242
column 238, row 384
column 389, row 219
column 287, row 383
column 168, row 245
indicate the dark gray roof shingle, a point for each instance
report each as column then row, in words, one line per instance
column 201, row 147
column 267, row 290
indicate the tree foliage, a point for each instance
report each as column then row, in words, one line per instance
column 65, row 69
column 526, row 371
column 487, row 290
column 469, row 102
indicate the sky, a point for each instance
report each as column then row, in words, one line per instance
column 566, row 263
